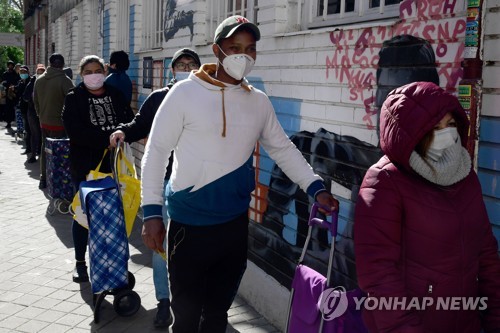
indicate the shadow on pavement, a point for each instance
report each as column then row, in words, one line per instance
column 144, row 256
column 107, row 314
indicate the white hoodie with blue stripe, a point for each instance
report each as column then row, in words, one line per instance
column 213, row 129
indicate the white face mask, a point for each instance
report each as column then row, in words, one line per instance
column 443, row 139
column 179, row 76
column 93, row 81
column 237, row 65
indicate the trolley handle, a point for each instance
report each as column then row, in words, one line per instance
column 324, row 224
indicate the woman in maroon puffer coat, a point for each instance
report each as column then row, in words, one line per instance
column 421, row 228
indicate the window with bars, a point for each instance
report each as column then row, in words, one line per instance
column 157, row 74
column 218, row 10
column 147, row 72
column 122, row 29
column 95, row 23
column 324, row 13
column 152, row 21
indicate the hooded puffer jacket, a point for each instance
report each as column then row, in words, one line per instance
column 419, row 240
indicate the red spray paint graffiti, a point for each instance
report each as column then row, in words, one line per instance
column 355, row 58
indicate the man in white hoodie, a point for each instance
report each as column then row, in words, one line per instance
column 212, row 121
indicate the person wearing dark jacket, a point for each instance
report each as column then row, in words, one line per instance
column 183, row 61
column 91, row 112
column 421, row 231
column 118, row 77
column 9, row 79
column 22, row 106
column 35, row 138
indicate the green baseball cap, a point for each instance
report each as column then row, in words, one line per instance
column 228, row 27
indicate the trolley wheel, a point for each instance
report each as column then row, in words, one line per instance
column 63, row 207
column 131, row 280
column 70, row 209
column 51, row 208
column 126, row 303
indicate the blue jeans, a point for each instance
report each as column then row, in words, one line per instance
column 160, row 273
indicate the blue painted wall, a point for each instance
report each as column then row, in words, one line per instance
column 489, row 168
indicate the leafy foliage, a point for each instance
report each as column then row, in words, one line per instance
column 11, row 20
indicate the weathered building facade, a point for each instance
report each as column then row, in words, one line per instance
column 326, row 70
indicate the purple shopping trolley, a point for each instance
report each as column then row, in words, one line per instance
column 314, row 306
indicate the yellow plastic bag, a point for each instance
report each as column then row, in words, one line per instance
column 130, row 190
column 97, row 174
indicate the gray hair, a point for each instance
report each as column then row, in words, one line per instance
column 90, row 59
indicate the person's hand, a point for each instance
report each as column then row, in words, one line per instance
column 115, row 137
column 153, row 234
column 327, row 201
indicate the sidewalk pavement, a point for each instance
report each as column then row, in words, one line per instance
column 37, row 259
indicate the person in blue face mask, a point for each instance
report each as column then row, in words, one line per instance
column 22, row 105
column 183, row 62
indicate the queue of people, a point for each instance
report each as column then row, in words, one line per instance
column 16, row 96
column 421, row 227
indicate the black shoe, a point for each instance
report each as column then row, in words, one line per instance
column 80, row 273
column 26, row 152
column 32, row 159
column 42, row 184
column 8, row 126
column 163, row 318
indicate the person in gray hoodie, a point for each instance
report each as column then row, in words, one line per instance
column 50, row 91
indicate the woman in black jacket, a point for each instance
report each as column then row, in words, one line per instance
column 91, row 112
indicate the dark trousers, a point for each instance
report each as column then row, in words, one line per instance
column 205, row 265
column 10, row 111
column 43, row 156
column 27, row 131
column 80, row 240
column 35, row 138
column 80, row 234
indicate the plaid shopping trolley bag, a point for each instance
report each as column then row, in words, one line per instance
column 59, row 185
column 108, row 246
column 20, row 130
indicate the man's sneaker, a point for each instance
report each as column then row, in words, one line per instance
column 42, row 184
column 32, row 159
column 163, row 318
column 80, row 273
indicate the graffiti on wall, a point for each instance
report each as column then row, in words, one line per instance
column 356, row 53
column 425, row 45
column 176, row 20
column 339, row 160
